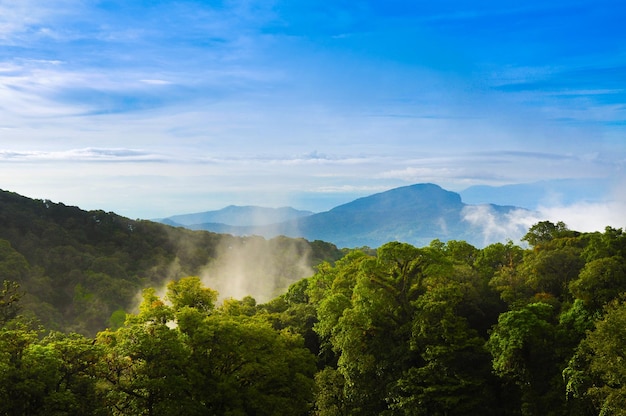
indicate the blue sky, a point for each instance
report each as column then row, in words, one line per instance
column 156, row 108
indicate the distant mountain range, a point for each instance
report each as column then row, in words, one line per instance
column 415, row 214
column 238, row 216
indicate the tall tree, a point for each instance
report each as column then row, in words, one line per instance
column 597, row 372
column 145, row 364
column 523, row 345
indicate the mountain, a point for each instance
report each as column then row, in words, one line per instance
column 238, row 216
column 415, row 214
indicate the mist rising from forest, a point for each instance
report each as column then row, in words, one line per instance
column 245, row 266
column 256, row 267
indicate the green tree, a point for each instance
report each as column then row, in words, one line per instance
column 331, row 399
column 18, row 395
column 608, row 244
column 597, row 372
column 398, row 324
column 66, row 365
column 452, row 374
column 496, row 257
column 243, row 366
column 189, row 292
column 523, row 345
column 145, row 364
column 550, row 270
column 53, row 375
column 372, row 335
column 545, row 231
column 239, row 364
column 600, row 281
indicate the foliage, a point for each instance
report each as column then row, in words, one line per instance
column 9, row 301
column 53, row 375
column 78, row 268
column 597, row 371
column 445, row 329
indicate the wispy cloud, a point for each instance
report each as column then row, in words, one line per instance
column 156, row 81
column 124, row 57
column 18, row 19
column 236, row 95
column 48, row 88
column 424, row 174
column 517, row 154
column 82, row 155
column 305, row 160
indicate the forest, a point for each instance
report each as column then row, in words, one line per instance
column 81, row 271
column 446, row 329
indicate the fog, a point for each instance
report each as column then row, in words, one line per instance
column 582, row 216
column 587, row 217
column 257, row 267
column 498, row 227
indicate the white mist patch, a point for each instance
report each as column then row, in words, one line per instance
column 256, row 267
column 583, row 217
column 499, row 227
column 588, row 217
column 443, row 225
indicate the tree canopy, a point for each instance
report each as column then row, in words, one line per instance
column 445, row 329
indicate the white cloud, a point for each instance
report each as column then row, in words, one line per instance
column 22, row 20
column 420, row 174
column 81, row 155
column 497, row 227
column 156, row 81
column 583, row 217
column 587, row 217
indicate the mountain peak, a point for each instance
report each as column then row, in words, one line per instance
column 416, row 214
column 412, row 197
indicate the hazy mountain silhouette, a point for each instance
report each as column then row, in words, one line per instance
column 415, row 214
column 238, row 216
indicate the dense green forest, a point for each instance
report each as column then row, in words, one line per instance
column 81, row 271
column 446, row 329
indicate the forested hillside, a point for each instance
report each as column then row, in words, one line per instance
column 445, row 329
column 83, row 270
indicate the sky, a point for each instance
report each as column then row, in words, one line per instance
column 156, row 108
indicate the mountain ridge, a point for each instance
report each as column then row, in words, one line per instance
column 237, row 215
column 416, row 214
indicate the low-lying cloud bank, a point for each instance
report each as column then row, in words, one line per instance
column 583, row 216
column 588, row 216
